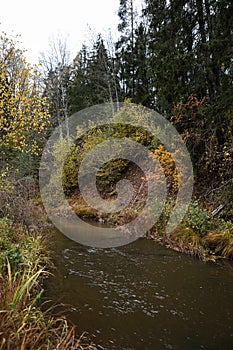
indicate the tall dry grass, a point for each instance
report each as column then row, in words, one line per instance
column 220, row 243
column 24, row 263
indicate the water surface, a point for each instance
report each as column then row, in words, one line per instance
column 143, row 296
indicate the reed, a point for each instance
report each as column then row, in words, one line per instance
column 23, row 324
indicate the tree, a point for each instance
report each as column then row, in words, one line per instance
column 23, row 111
column 189, row 49
column 142, row 76
column 56, row 75
column 99, row 72
column 94, row 79
column 170, row 46
column 125, row 53
column 80, row 90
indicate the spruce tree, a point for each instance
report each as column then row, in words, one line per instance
column 125, row 48
column 94, row 79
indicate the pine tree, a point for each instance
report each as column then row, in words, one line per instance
column 142, row 75
column 99, row 72
column 171, row 54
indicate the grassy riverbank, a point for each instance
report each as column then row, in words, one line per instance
column 24, row 264
column 216, row 244
column 200, row 234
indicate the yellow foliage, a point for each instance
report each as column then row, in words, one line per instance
column 23, row 111
column 168, row 164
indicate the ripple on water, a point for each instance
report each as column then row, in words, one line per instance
column 143, row 296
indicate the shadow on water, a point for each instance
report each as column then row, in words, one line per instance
column 143, row 296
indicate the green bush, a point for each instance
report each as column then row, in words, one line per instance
column 112, row 171
column 9, row 248
column 19, row 247
column 197, row 219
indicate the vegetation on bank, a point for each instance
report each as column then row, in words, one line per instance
column 199, row 234
column 25, row 262
column 206, row 231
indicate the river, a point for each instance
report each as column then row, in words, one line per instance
column 143, row 296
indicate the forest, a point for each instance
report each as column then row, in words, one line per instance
column 174, row 57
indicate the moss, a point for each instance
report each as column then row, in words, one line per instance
column 81, row 208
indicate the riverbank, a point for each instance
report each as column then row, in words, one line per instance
column 214, row 246
column 25, row 263
column 198, row 235
column 202, row 233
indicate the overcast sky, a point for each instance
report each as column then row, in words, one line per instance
column 37, row 21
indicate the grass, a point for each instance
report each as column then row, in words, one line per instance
column 24, row 263
column 199, row 234
column 183, row 239
column 220, row 243
column 188, row 241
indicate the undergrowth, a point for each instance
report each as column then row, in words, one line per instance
column 24, row 263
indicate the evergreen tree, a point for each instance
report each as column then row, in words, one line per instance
column 189, row 48
column 171, row 41
column 142, row 74
column 94, row 79
column 99, row 72
column 125, row 48
column 80, row 92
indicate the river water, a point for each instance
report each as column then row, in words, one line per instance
column 143, row 296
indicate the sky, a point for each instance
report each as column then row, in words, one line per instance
column 37, row 21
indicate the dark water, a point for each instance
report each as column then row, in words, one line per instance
column 143, row 296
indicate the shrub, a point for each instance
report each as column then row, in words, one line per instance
column 197, row 219
column 110, row 172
